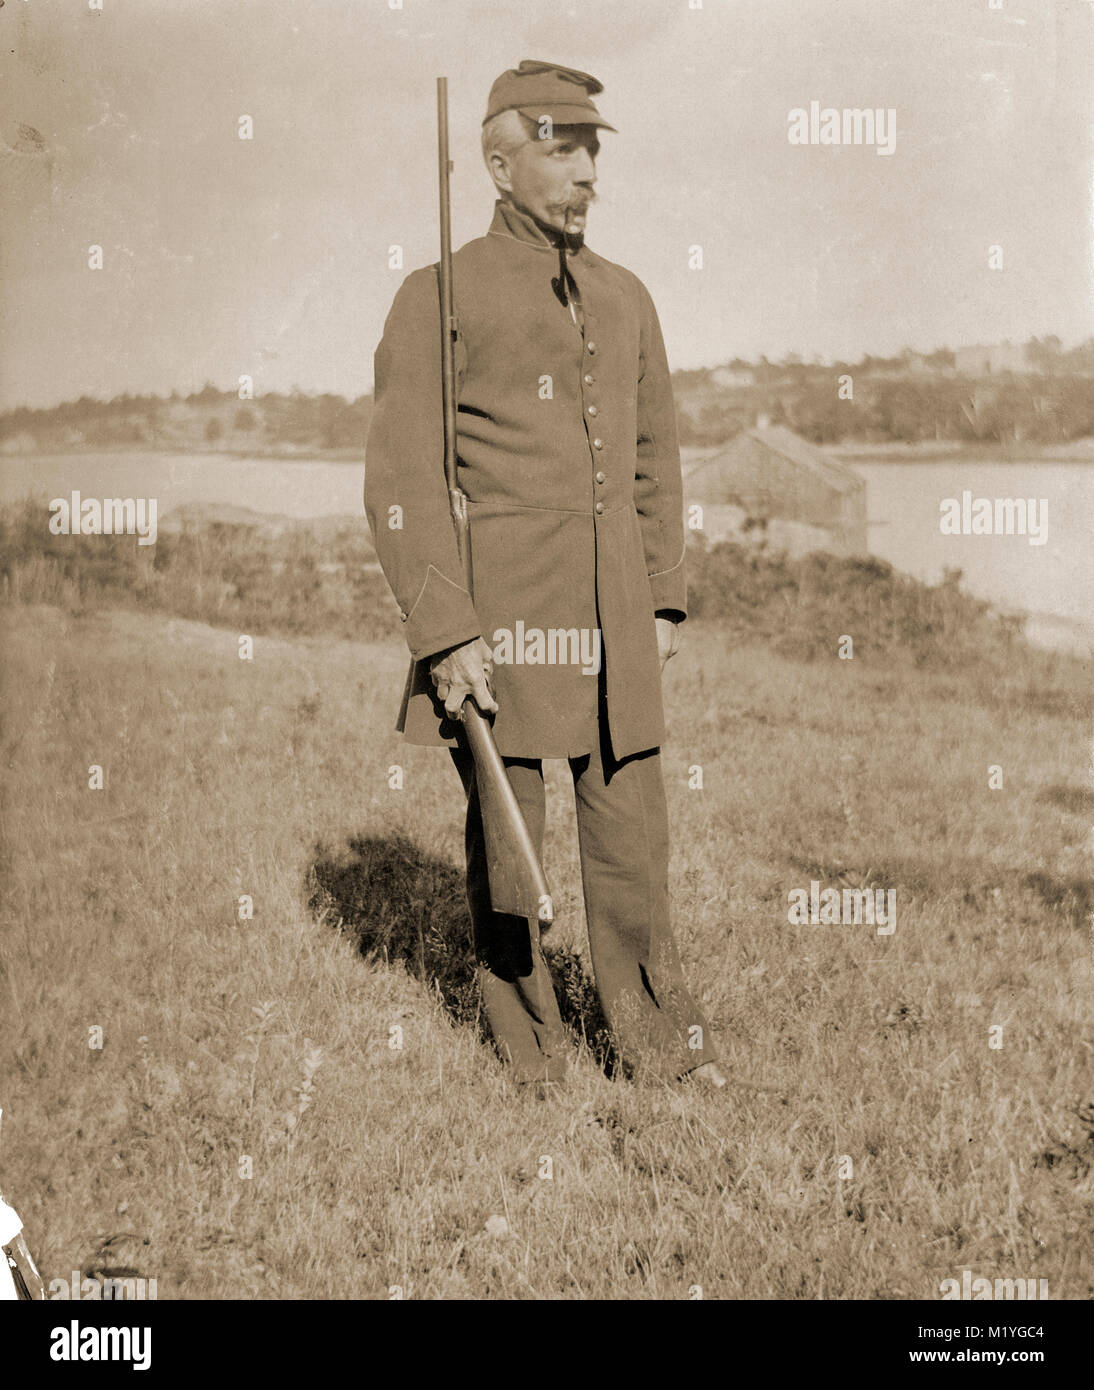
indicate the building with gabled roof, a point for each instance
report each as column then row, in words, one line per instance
column 769, row 483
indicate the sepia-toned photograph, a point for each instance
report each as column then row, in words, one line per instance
column 547, row 643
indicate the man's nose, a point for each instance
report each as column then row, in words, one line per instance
column 583, row 169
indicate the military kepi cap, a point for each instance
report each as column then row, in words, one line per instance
column 544, row 89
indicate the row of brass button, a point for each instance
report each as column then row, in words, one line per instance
column 590, row 348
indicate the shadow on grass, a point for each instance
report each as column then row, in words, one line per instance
column 1077, row 800
column 1071, row 898
column 402, row 905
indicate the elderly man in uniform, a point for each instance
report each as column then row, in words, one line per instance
column 567, row 451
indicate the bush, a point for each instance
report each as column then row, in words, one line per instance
column 803, row 607
column 308, row 580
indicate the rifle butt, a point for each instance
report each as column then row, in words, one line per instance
column 518, row 885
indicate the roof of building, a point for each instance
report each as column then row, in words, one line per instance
column 784, row 442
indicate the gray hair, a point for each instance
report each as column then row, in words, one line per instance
column 505, row 133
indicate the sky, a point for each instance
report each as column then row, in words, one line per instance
column 269, row 257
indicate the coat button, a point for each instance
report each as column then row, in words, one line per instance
column 402, row 617
column 589, row 379
column 598, row 444
column 600, row 509
column 590, row 348
column 600, row 478
column 592, row 410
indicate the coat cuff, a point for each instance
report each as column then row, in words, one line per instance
column 669, row 589
column 441, row 616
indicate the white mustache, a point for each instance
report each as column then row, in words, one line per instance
column 579, row 205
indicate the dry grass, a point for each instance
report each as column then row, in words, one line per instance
column 375, row 1167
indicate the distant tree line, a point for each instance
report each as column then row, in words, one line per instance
column 909, row 397
column 207, row 417
column 1015, row 410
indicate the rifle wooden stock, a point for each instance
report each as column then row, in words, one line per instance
column 24, row 1272
column 518, row 885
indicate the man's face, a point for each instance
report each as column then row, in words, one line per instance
column 553, row 180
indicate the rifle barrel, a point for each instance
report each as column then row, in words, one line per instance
column 518, row 886
column 448, row 334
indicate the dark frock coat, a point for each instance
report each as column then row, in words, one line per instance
column 567, row 451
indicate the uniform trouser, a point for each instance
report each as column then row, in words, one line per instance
column 622, row 823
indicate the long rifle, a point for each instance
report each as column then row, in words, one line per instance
column 518, row 885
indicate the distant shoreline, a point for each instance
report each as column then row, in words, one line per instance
column 926, row 451
column 931, row 451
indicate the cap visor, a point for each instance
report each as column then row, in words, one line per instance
column 566, row 115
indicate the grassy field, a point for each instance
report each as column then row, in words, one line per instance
column 265, row 1046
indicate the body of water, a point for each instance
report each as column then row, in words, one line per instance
column 1054, row 581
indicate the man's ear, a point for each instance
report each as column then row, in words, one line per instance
column 500, row 173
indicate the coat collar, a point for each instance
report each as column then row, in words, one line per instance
column 509, row 221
